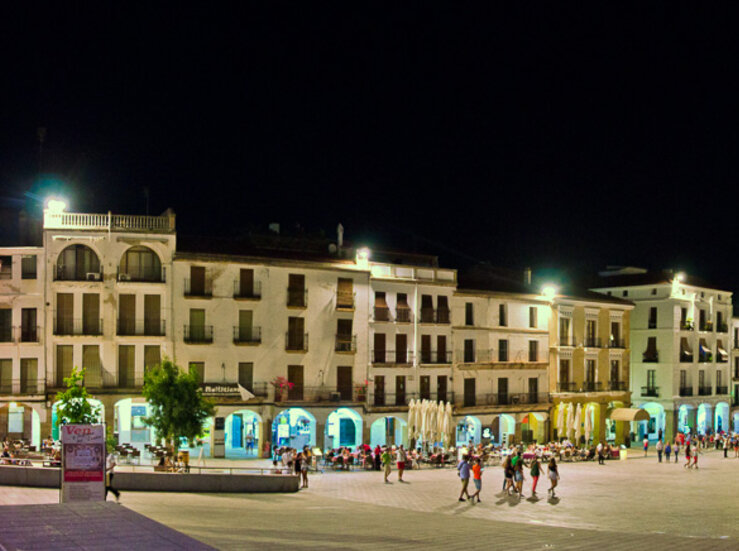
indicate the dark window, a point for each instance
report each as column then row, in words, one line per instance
column 533, row 316
column 469, row 314
column 502, row 315
column 653, row 317
column 469, row 350
column 502, row 350
column 533, row 351
column 28, row 266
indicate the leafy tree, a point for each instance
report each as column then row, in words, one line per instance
column 178, row 408
column 74, row 407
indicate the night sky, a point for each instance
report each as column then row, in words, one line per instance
column 548, row 137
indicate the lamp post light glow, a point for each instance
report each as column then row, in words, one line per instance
column 549, row 291
column 56, row 206
column 363, row 255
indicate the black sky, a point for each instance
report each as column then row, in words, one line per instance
column 545, row 136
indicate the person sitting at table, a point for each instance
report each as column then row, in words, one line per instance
column 347, row 459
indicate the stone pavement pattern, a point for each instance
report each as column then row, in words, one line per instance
column 638, row 504
column 93, row 526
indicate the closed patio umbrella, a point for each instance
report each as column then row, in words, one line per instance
column 578, row 423
column 588, row 423
column 561, row 420
column 570, row 421
column 448, row 424
column 439, row 422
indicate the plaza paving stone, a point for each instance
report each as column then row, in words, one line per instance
column 637, row 504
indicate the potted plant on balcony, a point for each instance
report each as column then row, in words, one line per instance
column 281, row 384
column 362, row 391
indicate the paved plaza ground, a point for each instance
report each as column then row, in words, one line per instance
column 637, row 504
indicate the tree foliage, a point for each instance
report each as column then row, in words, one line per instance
column 177, row 405
column 74, row 407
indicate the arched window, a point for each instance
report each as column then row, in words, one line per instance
column 78, row 263
column 140, row 264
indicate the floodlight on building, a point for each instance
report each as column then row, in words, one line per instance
column 680, row 276
column 549, row 291
column 363, row 255
column 55, row 205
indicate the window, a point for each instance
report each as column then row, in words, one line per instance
column 533, row 317
column 153, row 315
column 344, row 338
column 403, row 310
column 654, row 291
column 127, row 314
column 126, row 366
column 702, row 378
column 425, row 349
column 295, row 334
column 427, row 309
column 198, row 368
column 441, row 386
column 379, row 350
column 469, row 314
column 651, row 354
column 246, row 284
column 6, row 267
column 615, row 368
column 152, row 356
column 92, row 365
column 469, row 350
column 64, row 365
column 345, row 293
column 533, row 351
column 246, row 375
column 400, row 390
column 683, row 379
column 625, row 293
column 29, row 332
column 64, row 317
column 6, row 376
column 6, row 325
column 78, row 263
column 502, row 315
column 379, row 390
column 616, row 334
column 28, row 266
column 591, row 330
column 401, row 349
column 442, row 310
column 590, row 371
column 296, row 290
column 719, row 376
column 29, row 375
column 653, row 317
column 197, row 286
column 502, row 350
column 295, row 376
column 564, row 371
column 344, row 382
column 651, row 378
column 91, row 321
column 564, row 332
column 425, row 387
column 382, row 312
column 140, row 264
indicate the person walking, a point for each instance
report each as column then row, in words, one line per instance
column 599, row 451
column 646, row 445
column 553, row 474
column 725, row 444
column 518, row 477
column 534, row 471
column 695, row 450
column 659, row 447
column 508, row 475
column 304, row 470
column 110, row 465
column 477, row 479
column 676, row 449
column 402, row 458
column 687, row 455
column 668, row 450
column 463, row 469
column 377, row 457
column 386, row 459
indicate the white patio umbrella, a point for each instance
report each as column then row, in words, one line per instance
column 578, row 423
column 448, row 424
column 588, row 423
column 570, row 421
column 431, row 421
column 412, row 418
column 439, row 432
column 561, row 419
column 424, row 420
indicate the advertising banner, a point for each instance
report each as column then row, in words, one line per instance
column 83, row 463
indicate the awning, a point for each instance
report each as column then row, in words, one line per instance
column 721, row 352
column 629, row 414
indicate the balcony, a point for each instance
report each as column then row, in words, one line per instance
column 650, row 391
column 321, row 394
column 722, row 390
column 382, row 313
column 650, row 357
column 248, row 293
column 686, row 391
column 247, row 335
column 142, row 276
column 567, row 341
column 141, row 328
column 198, row 334
column 705, row 326
column 705, row 357
column 346, row 344
column 392, row 358
column 435, row 396
column 686, row 358
column 617, row 385
column 617, row 343
column 109, row 222
column 32, row 387
column 476, row 356
column 435, row 315
column 722, row 327
column 389, row 399
column 76, row 327
column 593, row 342
column 566, row 387
column 296, row 342
column 436, row 357
column 705, row 390
column 62, row 274
column 29, row 334
column 687, row 326
column 7, row 334
column 201, row 289
column 592, row 386
column 403, row 315
column 503, row 399
column 297, row 297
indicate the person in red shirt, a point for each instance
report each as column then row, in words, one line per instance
column 477, row 479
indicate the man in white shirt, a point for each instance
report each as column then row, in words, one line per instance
column 109, row 468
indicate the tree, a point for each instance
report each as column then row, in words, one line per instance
column 74, row 406
column 178, row 407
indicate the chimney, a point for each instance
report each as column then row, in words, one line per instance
column 527, row 276
column 339, row 236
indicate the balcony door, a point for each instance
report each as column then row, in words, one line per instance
column 197, row 324
column 503, row 390
column 246, row 282
column 614, row 371
column 469, row 392
column 126, row 366
column 152, row 315
column 441, row 386
column 401, row 348
column 126, row 314
column 64, row 313
column 295, row 376
column 344, row 381
column 425, row 349
column 400, row 390
column 246, row 318
column 295, row 334
column 379, row 390
column 197, row 280
column 379, row 350
column 533, row 389
column 425, row 387
column 441, row 349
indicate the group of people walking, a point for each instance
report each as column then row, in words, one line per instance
column 513, row 468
